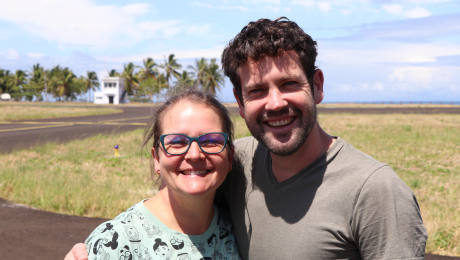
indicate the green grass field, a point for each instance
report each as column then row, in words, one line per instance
column 82, row 178
column 27, row 112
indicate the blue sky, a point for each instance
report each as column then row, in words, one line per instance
column 369, row 50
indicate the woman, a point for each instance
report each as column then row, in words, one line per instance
column 192, row 153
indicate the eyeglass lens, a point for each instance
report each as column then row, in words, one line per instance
column 209, row 143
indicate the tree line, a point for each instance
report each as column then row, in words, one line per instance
column 142, row 83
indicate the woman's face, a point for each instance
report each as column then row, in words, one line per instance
column 195, row 172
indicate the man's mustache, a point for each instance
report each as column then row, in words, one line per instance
column 287, row 111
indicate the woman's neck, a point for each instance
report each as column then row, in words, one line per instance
column 188, row 215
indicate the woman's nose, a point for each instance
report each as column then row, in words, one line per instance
column 194, row 153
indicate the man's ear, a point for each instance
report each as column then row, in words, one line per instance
column 156, row 159
column 240, row 104
column 318, row 81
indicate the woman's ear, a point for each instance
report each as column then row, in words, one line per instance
column 156, row 160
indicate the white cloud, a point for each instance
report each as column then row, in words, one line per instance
column 11, row 54
column 321, row 5
column 393, row 8
column 419, row 58
column 136, row 9
column 83, row 22
column 198, row 29
column 231, row 7
column 346, row 11
column 417, row 12
column 272, row 8
column 377, row 86
column 361, row 53
column 35, row 55
column 275, row 2
column 416, row 79
column 196, row 3
column 428, row 1
column 324, row 6
column 287, row 9
column 397, row 9
column 306, row 3
column 159, row 56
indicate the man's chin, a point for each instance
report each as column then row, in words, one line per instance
column 280, row 146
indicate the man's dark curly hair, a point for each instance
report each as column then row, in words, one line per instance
column 268, row 38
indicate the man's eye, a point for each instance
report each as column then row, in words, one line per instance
column 255, row 91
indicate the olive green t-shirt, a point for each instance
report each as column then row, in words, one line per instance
column 345, row 205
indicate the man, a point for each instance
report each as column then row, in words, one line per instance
column 298, row 192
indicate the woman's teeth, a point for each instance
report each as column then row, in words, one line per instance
column 193, row 172
column 280, row 122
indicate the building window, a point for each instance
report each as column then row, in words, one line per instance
column 105, row 85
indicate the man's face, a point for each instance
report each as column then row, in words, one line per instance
column 278, row 106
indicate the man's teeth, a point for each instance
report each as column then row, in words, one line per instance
column 281, row 122
column 193, row 172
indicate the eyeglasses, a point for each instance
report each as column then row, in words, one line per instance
column 210, row 143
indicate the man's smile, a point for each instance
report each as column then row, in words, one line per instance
column 281, row 122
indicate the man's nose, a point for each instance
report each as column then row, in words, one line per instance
column 194, row 153
column 275, row 100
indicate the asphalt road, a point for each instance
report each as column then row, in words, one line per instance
column 27, row 133
column 27, row 233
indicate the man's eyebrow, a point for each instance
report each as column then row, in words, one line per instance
column 255, row 85
column 288, row 77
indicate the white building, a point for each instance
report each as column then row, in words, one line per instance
column 113, row 91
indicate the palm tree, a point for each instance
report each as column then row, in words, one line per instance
column 148, row 70
column 36, row 83
column 200, row 68
column 131, row 80
column 214, row 77
column 65, row 83
column 4, row 80
column 113, row 73
column 91, row 82
column 15, row 83
column 185, row 78
column 153, row 86
column 171, row 67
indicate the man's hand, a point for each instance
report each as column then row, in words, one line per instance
column 78, row 252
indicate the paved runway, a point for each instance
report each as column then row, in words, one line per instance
column 27, row 133
column 27, row 233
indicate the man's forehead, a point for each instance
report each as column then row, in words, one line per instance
column 253, row 70
column 284, row 61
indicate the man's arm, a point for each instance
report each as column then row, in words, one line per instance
column 78, row 252
column 387, row 222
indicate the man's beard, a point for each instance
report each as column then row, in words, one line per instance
column 300, row 134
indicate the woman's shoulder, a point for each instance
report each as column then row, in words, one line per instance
column 125, row 235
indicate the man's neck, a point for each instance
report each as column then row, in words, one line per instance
column 318, row 143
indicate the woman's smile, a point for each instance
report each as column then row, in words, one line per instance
column 195, row 172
